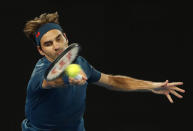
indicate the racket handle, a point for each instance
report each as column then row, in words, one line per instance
column 78, row 77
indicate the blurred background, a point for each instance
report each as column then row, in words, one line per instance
column 144, row 40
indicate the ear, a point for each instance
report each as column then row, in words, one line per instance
column 40, row 50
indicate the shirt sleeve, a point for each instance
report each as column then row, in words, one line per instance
column 93, row 75
column 36, row 80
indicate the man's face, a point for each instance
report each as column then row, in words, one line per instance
column 53, row 43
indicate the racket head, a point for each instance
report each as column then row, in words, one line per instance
column 58, row 66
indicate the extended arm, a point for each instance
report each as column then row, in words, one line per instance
column 125, row 83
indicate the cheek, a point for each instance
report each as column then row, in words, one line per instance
column 48, row 51
column 64, row 41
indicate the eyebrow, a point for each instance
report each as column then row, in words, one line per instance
column 47, row 42
column 58, row 36
column 51, row 40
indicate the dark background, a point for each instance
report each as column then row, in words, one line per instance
column 144, row 40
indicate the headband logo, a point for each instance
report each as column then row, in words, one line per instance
column 38, row 34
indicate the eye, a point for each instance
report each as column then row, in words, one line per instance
column 58, row 38
column 49, row 43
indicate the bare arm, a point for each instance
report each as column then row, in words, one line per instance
column 59, row 82
column 125, row 83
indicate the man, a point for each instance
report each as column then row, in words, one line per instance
column 59, row 105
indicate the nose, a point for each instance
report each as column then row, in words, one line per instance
column 56, row 46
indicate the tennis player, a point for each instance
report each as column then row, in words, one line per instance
column 59, row 105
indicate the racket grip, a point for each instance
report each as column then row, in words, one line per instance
column 78, row 77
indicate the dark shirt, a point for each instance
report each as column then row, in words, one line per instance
column 59, row 107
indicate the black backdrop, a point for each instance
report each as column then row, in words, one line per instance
column 144, row 40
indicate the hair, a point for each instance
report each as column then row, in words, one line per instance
column 32, row 26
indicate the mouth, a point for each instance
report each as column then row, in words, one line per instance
column 59, row 52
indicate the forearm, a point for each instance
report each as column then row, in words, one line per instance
column 64, row 81
column 55, row 83
column 125, row 83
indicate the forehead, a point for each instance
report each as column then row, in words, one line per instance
column 50, row 35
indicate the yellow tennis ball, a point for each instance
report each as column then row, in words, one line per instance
column 73, row 70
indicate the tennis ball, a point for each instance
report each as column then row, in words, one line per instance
column 73, row 70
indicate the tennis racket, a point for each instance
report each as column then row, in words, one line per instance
column 62, row 61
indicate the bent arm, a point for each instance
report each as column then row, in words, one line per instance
column 64, row 81
column 58, row 82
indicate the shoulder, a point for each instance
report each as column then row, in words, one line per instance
column 37, row 75
column 81, row 61
column 41, row 66
column 43, row 62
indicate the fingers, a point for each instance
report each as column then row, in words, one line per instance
column 171, row 87
column 80, row 81
column 83, row 75
column 169, row 98
column 177, row 89
column 174, row 84
column 84, row 78
column 176, row 94
column 164, row 83
column 77, row 82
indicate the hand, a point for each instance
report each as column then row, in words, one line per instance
column 54, row 83
column 82, row 81
column 166, row 88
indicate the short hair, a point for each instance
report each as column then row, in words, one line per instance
column 32, row 26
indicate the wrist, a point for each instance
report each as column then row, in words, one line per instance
column 65, row 79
